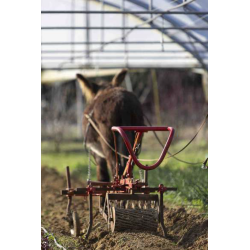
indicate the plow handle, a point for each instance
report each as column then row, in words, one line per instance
column 141, row 129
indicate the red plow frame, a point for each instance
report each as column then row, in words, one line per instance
column 124, row 188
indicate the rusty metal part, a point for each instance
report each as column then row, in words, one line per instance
column 68, row 212
column 129, row 166
column 143, row 129
column 136, row 219
column 129, row 203
column 104, row 190
column 90, row 216
column 134, row 197
column 161, row 215
column 123, row 215
column 146, row 177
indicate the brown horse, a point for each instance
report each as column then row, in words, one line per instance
column 108, row 105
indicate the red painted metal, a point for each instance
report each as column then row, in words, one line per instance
column 121, row 130
column 141, row 128
column 124, row 187
column 128, row 172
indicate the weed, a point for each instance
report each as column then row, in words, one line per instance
column 191, row 181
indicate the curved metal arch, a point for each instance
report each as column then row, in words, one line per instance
column 191, row 8
column 194, row 54
column 169, row 19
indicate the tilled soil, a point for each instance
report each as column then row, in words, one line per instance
column 186, row 229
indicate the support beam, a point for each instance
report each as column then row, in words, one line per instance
column 127, row 42
column 119, row 28
column 123, row 12
column 119, row 51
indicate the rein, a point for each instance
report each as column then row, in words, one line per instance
column 90, row 121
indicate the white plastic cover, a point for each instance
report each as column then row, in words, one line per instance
column 156, row 47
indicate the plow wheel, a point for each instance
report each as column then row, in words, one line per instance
column 133, row 218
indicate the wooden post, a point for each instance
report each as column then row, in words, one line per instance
column 156, row 97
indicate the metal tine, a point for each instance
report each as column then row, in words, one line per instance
column 147, row 204
column 153, row 204
column 135, row 205
column 141, row 204
column 128, row 205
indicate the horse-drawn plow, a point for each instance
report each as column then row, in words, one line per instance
column 125, row 203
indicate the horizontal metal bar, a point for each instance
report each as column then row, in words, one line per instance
column 123, row 12
column 149, row 197
column 88, row 66
column 121, row 58
column 120, row 28
column 125, row 42
column 118, row 51
column 99, row 183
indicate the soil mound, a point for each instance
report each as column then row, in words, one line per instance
column 186, row 229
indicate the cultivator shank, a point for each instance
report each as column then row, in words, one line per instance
column 129, row 204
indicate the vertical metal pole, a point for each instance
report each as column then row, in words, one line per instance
column 68, row 177
column 162, row 36
column 72, row 30
column 90, row 215
column 87, row 31
column 123, row 20
column 146, row 177
column 102, row 24
column 162, row 215
column 68, row 213
column 116, row 156
column 123, row 33
column 150, row 7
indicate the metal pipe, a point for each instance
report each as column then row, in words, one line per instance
column 122, row 58
column 68, row 212
column 68, row 177
column 121, row 130
column 103, row 24
column 84, row 66
column 150, row 7
column 90, row 216
column 123, row 33
column 87, row 27
column 166, row 17
column 127, row 42
column 119, row 51
column 123, row 12
column 146, row 177
column 191, row 8
column 72, row 31
column 121, row 28
column 161, row 215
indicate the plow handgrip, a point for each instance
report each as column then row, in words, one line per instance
column 68, row 177
column 141, row 128
column 121, row 130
